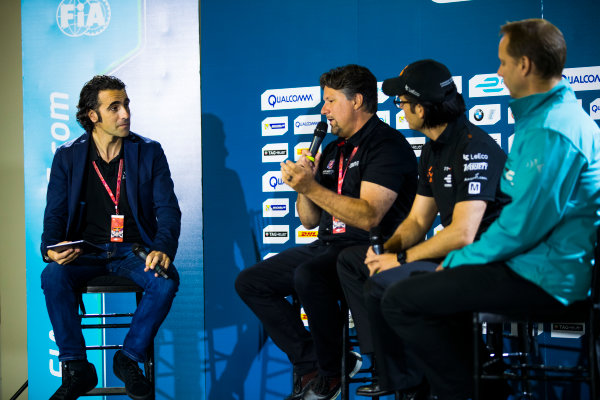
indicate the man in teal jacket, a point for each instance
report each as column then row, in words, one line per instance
column 538, row 254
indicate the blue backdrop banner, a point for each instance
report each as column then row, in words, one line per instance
column 151, row 45
column 261, row 63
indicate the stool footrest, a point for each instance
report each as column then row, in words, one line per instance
column 106, row 390
column 106, row 315
column 90, row 326
column 105, row 347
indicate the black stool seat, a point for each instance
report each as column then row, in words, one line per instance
column 112, row 284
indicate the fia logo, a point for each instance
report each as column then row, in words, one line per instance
column 83, row 17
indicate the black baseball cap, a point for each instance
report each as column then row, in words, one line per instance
column 427, row 80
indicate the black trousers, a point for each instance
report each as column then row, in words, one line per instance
column 353, row 274
column 397, row 364
column 432, row 314
column 309, row 272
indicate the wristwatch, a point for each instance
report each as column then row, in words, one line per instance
column 401, row 257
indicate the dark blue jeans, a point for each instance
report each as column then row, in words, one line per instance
column 60, row 282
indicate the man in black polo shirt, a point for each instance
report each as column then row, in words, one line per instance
column 459, row 172
column 366, row 177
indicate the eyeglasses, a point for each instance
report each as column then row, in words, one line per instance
column 400, row 103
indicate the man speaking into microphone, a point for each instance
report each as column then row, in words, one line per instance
column 365, row 178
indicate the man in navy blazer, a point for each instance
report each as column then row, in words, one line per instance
column 112, row 188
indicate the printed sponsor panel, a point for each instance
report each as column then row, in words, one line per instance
column 497, row 138
column 484, row 114
column 276, row 234
column 510, row 116
column 273, row 182
column 486, row 85
column 300, row 147
column 274, row 208
column 304, row 235
column 306, row 124
column 401, row 122
column 275, row 152
column 595, row 109
column 570, row 330
column 583, row 78
column 290, row 98
column 274, row 126
column 458, row 81
column 384, row 116
column 381, row 97
column 417, row 144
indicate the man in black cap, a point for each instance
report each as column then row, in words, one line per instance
column 459, row 173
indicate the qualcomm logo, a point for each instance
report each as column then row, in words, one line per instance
column 282, row 99
column 306, row 124
column 274, row 126
column 595, row 109
column 272, row 182
column 485, row 85
column 83, row 17
column 584, row 78
column 485, row 114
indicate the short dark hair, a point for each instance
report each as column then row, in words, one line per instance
column 88, row 98
column 437, row 114
column 352, row 79
column 539, row 40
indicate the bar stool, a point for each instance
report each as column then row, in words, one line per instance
column 112, row 284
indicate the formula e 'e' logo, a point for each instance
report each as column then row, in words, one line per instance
column 83, row 17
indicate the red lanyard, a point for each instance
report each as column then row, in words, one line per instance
column 114, row 199
column 340, row 175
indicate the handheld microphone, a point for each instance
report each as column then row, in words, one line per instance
column 376, row 240
column 320, row 132
column 141, row 252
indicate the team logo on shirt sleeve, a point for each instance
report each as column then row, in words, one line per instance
column 474, row 188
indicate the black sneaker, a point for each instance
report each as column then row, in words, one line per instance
column 300, row 384
column 323, row 388
column 137, row 386
column 79, row 377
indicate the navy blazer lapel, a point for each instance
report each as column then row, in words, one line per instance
column 131, row 171
column 80, row 152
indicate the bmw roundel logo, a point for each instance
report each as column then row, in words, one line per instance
column 478, row 114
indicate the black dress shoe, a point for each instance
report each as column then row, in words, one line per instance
column 372, row 390
column 420, row 392
column 300, row 383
